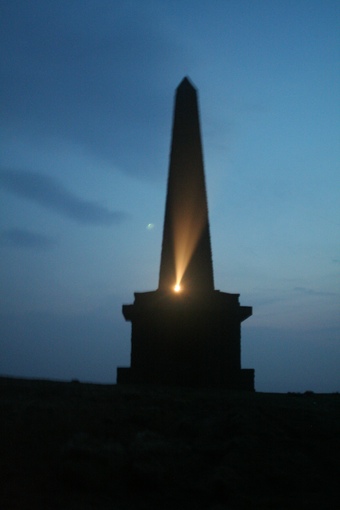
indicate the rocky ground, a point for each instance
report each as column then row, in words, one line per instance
column 73, row 446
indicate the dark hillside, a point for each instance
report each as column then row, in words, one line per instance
column 73, row 446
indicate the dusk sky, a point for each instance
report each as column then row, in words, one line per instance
column 87, row 91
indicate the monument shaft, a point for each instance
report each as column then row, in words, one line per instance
column 186, row 250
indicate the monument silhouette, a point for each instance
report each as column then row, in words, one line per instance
column 186, row 333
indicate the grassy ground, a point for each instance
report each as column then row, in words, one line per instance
column 73, row 446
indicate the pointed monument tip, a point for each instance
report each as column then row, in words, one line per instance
column 186, row 83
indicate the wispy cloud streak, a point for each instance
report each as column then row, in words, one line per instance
column 50, row 193
column 312, row 292
column 22, row 238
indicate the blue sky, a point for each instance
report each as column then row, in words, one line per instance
column 87, row 94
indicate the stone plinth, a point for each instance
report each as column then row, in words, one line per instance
column 179, row 339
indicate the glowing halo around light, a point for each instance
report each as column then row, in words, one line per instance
column 177, row 287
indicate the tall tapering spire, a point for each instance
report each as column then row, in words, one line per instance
column 186, row 250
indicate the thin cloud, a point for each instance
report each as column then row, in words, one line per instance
column 49, row 193
column 312, row 292
column 21, row 238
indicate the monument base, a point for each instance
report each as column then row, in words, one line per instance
column 244, row 380
column 185, row 340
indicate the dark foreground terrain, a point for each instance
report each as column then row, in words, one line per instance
column 84, row 446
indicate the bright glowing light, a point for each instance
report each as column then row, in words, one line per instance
column 189, row 220
column 177, row 287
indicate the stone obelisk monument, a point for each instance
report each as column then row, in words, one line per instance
column 186, row 333
column 186, row 236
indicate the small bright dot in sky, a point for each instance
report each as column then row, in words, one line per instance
column 177, row 287
column 150, row 226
